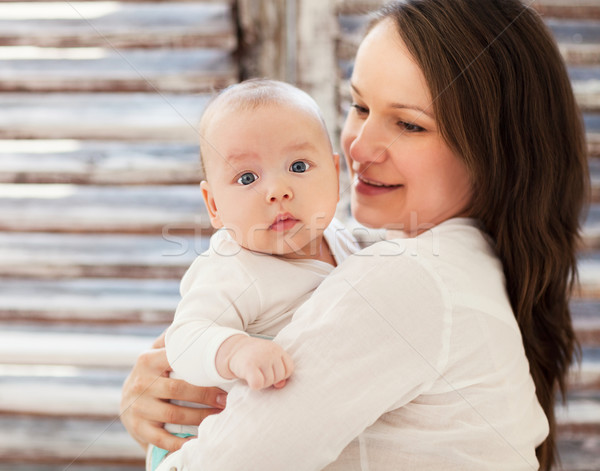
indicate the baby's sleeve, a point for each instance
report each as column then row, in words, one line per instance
column 219, row 300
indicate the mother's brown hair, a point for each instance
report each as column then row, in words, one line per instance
column 504, row 103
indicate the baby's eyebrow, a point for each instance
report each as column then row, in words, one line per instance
column 301, row 146
column 236, row 157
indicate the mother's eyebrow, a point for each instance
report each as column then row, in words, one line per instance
column 400, row 105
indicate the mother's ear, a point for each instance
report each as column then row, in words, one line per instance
column 209, row 201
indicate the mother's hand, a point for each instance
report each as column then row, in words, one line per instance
column 145, row 405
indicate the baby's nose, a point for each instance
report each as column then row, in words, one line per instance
column 279, row 191
column 276, row 196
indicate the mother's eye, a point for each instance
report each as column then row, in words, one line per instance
column 410, row 127
column 361, row 110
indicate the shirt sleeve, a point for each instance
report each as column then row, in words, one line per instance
column 219, row 300
column 360, row 349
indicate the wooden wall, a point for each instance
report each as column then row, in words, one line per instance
column 100, row 212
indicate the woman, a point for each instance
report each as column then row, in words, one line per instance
column 441, row 349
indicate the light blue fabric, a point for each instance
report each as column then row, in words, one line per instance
column 158, row 454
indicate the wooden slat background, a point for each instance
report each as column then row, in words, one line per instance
column 100, row 211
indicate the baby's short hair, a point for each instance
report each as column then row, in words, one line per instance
column 251, row 94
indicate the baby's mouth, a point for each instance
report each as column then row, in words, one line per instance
column 283, row 222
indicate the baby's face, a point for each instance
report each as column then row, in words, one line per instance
column 272, row 179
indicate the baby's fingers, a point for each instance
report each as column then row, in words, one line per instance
column 282, row 370
column 288, row 364
column 256, row 379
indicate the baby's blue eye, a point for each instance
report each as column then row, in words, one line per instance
column 299, row 167
column 247, row 178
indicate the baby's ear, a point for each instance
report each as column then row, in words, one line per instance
column 336, row 162
column 209, row 201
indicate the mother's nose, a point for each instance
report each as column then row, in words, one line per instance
column 365, row 142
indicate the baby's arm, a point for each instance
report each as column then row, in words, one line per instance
column 261, row 363
column 206, row 343
column 219, row 300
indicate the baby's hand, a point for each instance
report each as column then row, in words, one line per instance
column 262, row 363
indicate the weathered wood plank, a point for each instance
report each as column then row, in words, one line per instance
column 118, row 116
column 580, row 53
column 589, row 276
column 71, row 349
column 117, row 25
column 86, row 208
column 591, row 230
column 583, row 9
column 89, row 301
column 71, row 467
column 578, row 40
column 59, row 440
column 586, row 320
column 586, row 86
column 579, row 452
column 315, row 72
column 36, row 69
column 98, row 162
column 67, row 391
column 586, row 376
column 354, row 7
column 579, row 415
column 592, row 125
column 595, row 179
column 593, row 140
column 223, row 2
column 54, row 256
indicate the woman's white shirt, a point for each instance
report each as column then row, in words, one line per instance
column 411, row 346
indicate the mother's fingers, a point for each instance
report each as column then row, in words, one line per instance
column 179, row 390
column 166, row 412
column 160, row 438
column 160, row 341
column 169, row 442
column 150, row 376
column 145, row 405
column 153, row 361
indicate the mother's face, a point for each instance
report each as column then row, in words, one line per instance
column 404, row 175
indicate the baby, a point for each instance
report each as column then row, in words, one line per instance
column 271, row 190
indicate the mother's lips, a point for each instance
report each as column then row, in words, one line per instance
column 375, row 183
column 367, row 187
